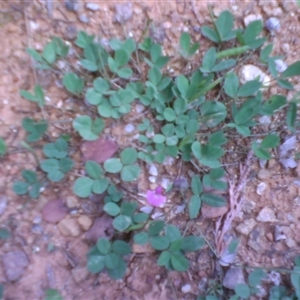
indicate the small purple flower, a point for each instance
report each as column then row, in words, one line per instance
column 156, row 197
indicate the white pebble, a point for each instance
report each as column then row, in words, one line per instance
column 129, row 128
column 261, row 188
column 153, row 170
column 34, row 25
column 92, row 6
column 48, row 99
column 186, row 288
column 146, row 209
column 139, row 108
column 280, row 65
column 272, row 24
column 152, row 179
column 165, row 183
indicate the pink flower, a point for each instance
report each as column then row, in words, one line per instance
column 156, row 197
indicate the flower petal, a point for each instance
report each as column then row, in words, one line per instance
column 155, row 199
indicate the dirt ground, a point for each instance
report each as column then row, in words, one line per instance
column 54, row 258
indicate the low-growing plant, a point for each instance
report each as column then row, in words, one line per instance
column 196, row 117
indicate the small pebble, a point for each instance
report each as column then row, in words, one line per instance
column 165, row 183
column 266, row 215
column 261, row 187
column 152, row 179
column 186, row 288
column 139, row 108
column 129, row 128
column 280, row 65
column 71, row 5
column 153, row 170
column 264, row 174
column 3, row 204
column 92, row 6
column 273, row 24
column 83, row 18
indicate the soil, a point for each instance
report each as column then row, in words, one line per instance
column 55, row 258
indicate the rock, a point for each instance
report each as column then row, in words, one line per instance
column 251, row 18
column 233, row 276
column 257, row 240
column 279, row 235
column 129, row 128
column 290, row 243
column 54, row 211
column 264, row 174
column 83, row 18
column 273, row 25
column 246, row 227
column 251, row 72
column 157, row 33
column 139, row 108
column 136, row 248
column 71, row 32
column 92, row 6
column 99, row 150
column 209, row 212
column 79, row 274
column 248, row 206
column 186, row 288
column 71, row 5
column 72, row 202
column 102, row 227
column 274, row 277
column 85, row 222
column 3, row 204
column 123, row 12
column 280, row 65
column 285, row 48
column 261, row 187
column 165, row 183
column 152, row 179
column 266, row 215
column 153, row 170
column 14, row 264
column 69, row 227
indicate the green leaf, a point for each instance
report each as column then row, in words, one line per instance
column 217, row 138
column 34, row 190
column 164, row 258
column 182, row 84
column 103, row 246
column 4, row 235
column 35, row 55
column 209, row 60
column 156, row 227
column 242, row 290
column 20, row 187
column 158, row 138
column 261, row 153
column 292, row 70
column 113, row 165
column 95, row 263
column 125, row 73
column 66, row 164
column 49, row 53
column 252, row 31
column 213, row 200
column 256, row 276
column 185, row 40
column 55, row 175
column 83, row 39
column 169, row 114
column 119, row 271
column 52, row 294
column 274, row 103
column 89, row 65
column 29, row 176
column 192, row 126
column 290, row 117
column 121, row 247
column 100, row 185
column 224, row 25
column 223, row 65
column 93, row 169
column 130, row 173
column 83, row 187
column 154, row 75
column 49, row 165
column 265, row 53
column 270, row 141
column 192, row 243
column 111, row 260
column 231, row 84
column 196, row 185
column 128, row 156
column 140, row 218
column 194, row 206
column 121, row 223
column 112, row 209
column 179, row 262
column 3, row 147
column 249, row 88
column 212, row 113
column 285, row 84
column 172, row 233
column 210, row 33
column 141, row 238
column 121, row 57
column 159, row 242
column 73, row 83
